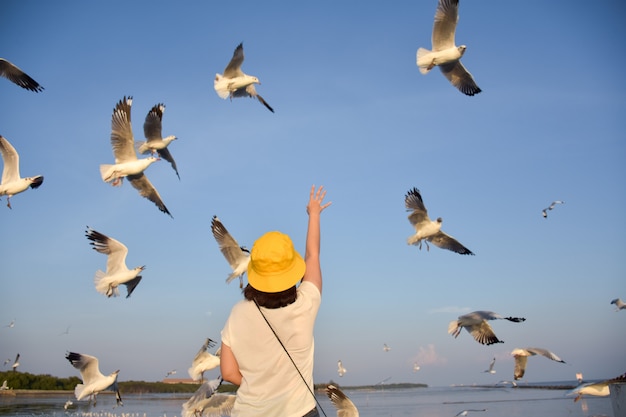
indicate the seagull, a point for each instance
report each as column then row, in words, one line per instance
column 12, row 183
column 426, row 229
column 491, row 370
column 5, row 385
column 11, row 325
column 476, row 324
column 234, row 83
column 466, row 412
column 67, row 404
column 117, row 272
column 386, row 348
column 11, row 72
column 340, row 369
column 416, row 367
column 16, row 363
column 7, row 361
column 205, row 401
column 345, row 407
column 93, row 380
column 67, row 331
column 445, row 53
column 204, row 361
column 126, row 162
column 238, row 257
column 598, row 389
column 619, row 304
column 155, row 143
column 172, row 372
column 521, row 356
column 544, row 212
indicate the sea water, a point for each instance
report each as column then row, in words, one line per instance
column 414, row 402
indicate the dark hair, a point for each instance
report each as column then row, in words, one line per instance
column 270, row 299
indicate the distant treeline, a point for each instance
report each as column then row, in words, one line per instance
column 27, row 381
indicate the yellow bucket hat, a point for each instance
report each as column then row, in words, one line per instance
column 275, row 265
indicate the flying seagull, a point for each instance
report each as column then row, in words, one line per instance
column 598, row 389
column 204, row 361
column 10, row 325
column 11, row 72
column 340, row 369
column 491, row 370
column 521, row 356
column 386, row 348
column 117, row 272
column 155, row 142
column 12, row 183
column 205, row 401
column 416, row 367
column 16, row 363
column 619, row 304
column 345, row 406
column 172, row 372
column 238, row 257
column 93, row 380
column 544, row 212
column 234, row 83
column 445, row 54
column 476, row 324
column 126, row 162
column 426, row 229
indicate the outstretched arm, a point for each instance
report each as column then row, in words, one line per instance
column 315, row 207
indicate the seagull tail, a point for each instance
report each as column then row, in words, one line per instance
column 102, row 286
column 454, row 329
column 221, row 86
column 231, row 277
column 193, row 374
column 423, row 61
column 141, row 147
column 106, row 172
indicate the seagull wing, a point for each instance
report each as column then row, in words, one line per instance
column 11, row 170
column 483, row 333
column 446, row 18
column 544, row 352
column 116, row 250
column 233, row 69
column 460, row 78
column 231, row 250
column 11, row 72
column 165, row 154
column 250, row 91
column 413, row 202
column 152, row 124
column 131, row 285
column 520, row 366
column 446, row 241
column 122, row 139
column 142, row 184
column 86, row 364
column 345, row 407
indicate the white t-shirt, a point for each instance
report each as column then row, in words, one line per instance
column 271, row 385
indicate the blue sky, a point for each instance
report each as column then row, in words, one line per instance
column 354, row 114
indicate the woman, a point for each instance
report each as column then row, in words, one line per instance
column 276, row 310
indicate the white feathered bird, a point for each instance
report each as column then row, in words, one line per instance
column 94, row 381
column 476, row 324
column 345, row 406
column 238, row 257
column 445, row 54
column 427, row 230
column 12, row 183
column 117, row 272
column 521, row 357
column 204, row 361
column 205, row 402
column 155, row 142
column 234, row 83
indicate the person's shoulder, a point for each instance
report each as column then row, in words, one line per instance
column 309, row 288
